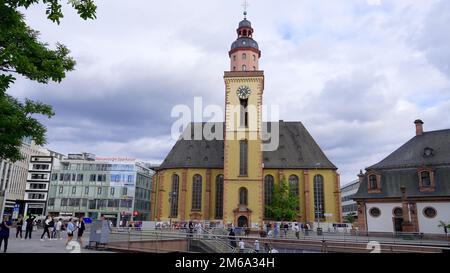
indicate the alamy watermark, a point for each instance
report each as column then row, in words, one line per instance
column 242, row 122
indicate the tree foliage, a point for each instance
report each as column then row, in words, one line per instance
column 22, row 53
column 285, row 203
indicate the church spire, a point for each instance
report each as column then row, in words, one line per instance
column 245, row 53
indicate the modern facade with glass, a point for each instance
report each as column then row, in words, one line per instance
column 115, row 188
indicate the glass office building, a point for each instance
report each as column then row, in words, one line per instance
column 114, row 188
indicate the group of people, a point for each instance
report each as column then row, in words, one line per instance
column 242, row 246
column 52, row 229
column 275, row 230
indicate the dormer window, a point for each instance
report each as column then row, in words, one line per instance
column 373, row 182
column 426, row 180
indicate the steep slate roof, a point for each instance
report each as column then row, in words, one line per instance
column 400, row 168
column 392, row 180
column 297, row 150
column 411, row 154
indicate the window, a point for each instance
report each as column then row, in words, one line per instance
column 429, row 212
column 92, row 178
column 54, row 176
column 254, row 57
column 294, row 189
column 244, row 56
column 112, row 191
column 67, row 177
column 219, row 197
column 38, row 186
column 39, row 176
column 244, row 113
column 243, row 196
column 61, row 189
column 74, row 190
column 234, row 68
column 268, row 193
column 373, row 184
column 101, row 177
column 244, row 68
column 86, row 190
column 174, row 196
column 254, row 68
column 243, row 158
column 80, row 177
column 64, row 201
column 197, row 193
column 99, row 190
column 92, row 204
column 61, row 177
column 375, row 212
column 74, row 202
column 319, row 205
column 84, row 202
column 398, row 212
column 426, row 179
column 234, row 57
column 130, row 178
column 74, row 177
column 124, row 191
column 51, row 202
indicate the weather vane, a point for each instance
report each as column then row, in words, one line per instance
column 245, row 5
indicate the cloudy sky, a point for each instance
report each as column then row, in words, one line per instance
column 357, row 73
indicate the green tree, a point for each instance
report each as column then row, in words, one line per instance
column 22, row 53
column 285, row 203
column 350, row 218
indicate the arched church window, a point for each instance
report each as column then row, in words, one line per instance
column 174, row 196
column 219, row 197
column 244, row 68
column 197, row 193
column 319, row 200
column 294, row 189
column 244, row 56
column 243, row 158
column 268, row 193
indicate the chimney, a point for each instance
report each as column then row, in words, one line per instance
column 419, row 127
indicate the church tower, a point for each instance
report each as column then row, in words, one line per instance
column 243, row 159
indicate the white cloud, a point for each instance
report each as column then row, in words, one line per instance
column 356, row 73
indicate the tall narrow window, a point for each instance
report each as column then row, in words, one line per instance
column 373, row 182
column 174, row 196
column 319, row 205
column 197, row 193
column 219, row 197
column 234, row 57
column 244, row 68
column 268, row 193
column 244, row 113
column 294, row 189
column 244, row 56
column 243, row 157
column 426, row 180
column 243, row 196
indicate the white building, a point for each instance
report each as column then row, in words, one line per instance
column 13, row 179
column 347, row 192
column 408, row 191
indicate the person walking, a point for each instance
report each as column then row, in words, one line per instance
column 286, row 229
column 58, row 227
column 70, row 231
column 256, row 246
column 232, row 238
column 19, row 227
column 297, row 231
column 276, row 230
column 51, row 229
column 81, row 228
column 46, row 228
column 4, row 232
column 29, row 227
column 241, row 246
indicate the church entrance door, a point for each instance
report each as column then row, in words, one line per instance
column 398, row 224
column 242, row 221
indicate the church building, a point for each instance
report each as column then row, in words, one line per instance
column 231, row 180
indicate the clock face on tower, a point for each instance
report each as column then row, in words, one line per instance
column 243, row 92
